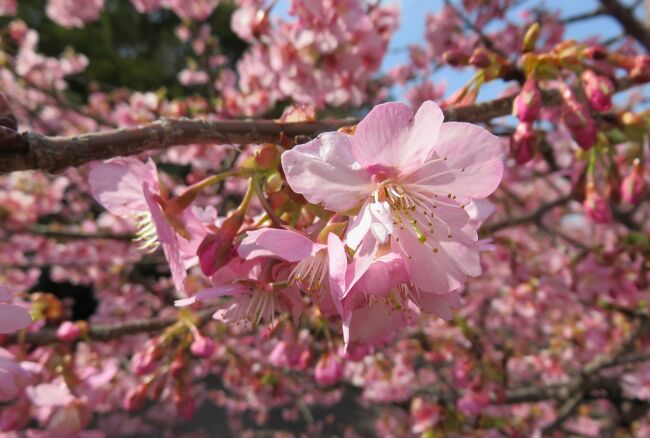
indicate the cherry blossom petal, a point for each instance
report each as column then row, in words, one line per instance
column 272, row 242
column 13, row 318
column 391, row 137
column 117, row 184
column 374, row 217
column 441, row 271
column 338, row 264
column 441, row 305
column 465, row 162
column 386, row 272
column 324, row 171
column 213, row 292
column 50, row 394
column 5, row 294
column 374, row 323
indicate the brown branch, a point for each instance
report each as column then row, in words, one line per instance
column 56, row 153
column 583, row 16
column 107, row 332
column 527, row 218
column 39, row 230
column 626, row 18
column 34, row 151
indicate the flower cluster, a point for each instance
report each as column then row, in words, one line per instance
column 394, row 236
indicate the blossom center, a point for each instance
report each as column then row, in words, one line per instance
column 312, row 272
column 414, row 211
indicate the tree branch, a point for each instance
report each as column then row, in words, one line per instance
column 107, row 332
column 527, row 218
column 626, row 18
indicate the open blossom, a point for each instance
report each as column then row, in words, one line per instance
column 408, row 179
column 7, row 7
column 192, row 10
column 12, row 317
column 74, row 13
column 254, row 297
column 130, row 188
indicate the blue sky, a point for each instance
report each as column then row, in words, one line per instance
column 412, row 23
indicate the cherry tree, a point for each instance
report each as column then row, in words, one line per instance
column 252, row 236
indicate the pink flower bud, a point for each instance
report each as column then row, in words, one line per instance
column 523, row 143
column 640, row 71
column 328, row 370
column 455, row 57
column 596, row 207
column 304, row 359
column 202, row 346
column 596, row 52
column 185, row 405
column 177, row 366
column 528, row 102
column 134, row 398
column 577, row 118
column 217, row 249
column 598, row 89
column 481, row 58
column 18, row 30
column 633, row 185
column 144, row 362
column 68, row 332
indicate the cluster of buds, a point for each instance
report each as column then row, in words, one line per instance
column 634, row 185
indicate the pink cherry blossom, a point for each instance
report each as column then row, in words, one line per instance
column 74, row 13
column 129, row 188
column 192, row 10
column 7, row 7
column 411, row 177
column 254, row 297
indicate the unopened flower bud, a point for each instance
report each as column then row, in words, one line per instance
column 523, row 143
column 530, row 38
column 202, row 346
column 528, row 103
column 597, row 52
column 633, row 185
column 481, row 58
column 185, row 405
column 177, row 366
column 598, row 89
column 455, row 58
column 577, row 118
column 328, row 370
column 595, row 206
column 144, row 362
column 68, row 332
column 640, row 71
column 268, row 156
column 217, row 249
column 134, row 398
